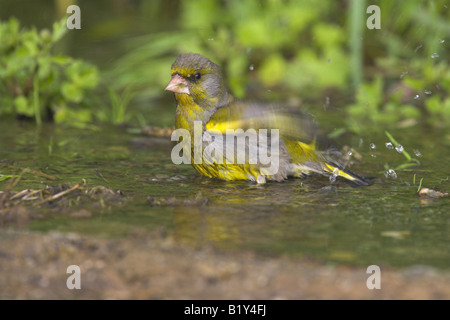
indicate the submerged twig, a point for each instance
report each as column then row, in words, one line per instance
column 44, row 175
column 58, row 195
column 19, row 194
column 28, row 196
column 9, row 187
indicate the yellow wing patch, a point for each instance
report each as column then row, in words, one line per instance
column 338, row 172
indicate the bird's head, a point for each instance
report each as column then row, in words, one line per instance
column 198, row 78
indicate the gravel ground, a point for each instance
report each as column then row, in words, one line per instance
column 34, row 266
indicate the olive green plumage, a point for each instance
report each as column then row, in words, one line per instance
column 202, row 95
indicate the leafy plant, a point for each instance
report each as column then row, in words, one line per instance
column 35, row 82
column 410, row 77
column 397, row 76
column 269, row 42
column 119, row 105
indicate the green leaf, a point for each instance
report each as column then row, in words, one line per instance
column 410, row 111
column 254, row 33
column 23, row 106
column 3, row 177
column 336, row 133
column 272, row 70
column 72, row 92
column 43, row 67
column 371, row 93
column 88, row 77
column 59, row 30
column 328, row 35
column 434, row 104
column 237, row 75
column 60, row 60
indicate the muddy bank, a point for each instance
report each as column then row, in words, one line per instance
column 34, row 265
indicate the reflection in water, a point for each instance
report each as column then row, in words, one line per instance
column 198, row 226
column 386, row 223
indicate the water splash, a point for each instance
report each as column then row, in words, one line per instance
column 327, row 101
column 441, row 41
column 399, row 148
column 428, row 92
column 389, row 145
column 417, row 153
column 434, row 55
column 334, row 175
column 391, row 174
column 372, row 146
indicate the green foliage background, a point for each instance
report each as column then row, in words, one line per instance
column 35, row 82
column 300, row 51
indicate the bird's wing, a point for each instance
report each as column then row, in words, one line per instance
column 240, row 115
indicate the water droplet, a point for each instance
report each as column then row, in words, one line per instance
column 327, row 103
column 441, row 41
column 372, row 146
column 428, row 92
column 416, row 97
column 349, row 153
column 434, row 55
column 210, row 39
column 403, row 74
column 399, row 148
column 252, row 67
column 389, row 145
column 334, row 175
column 390, row 174
column 373, row 156
column 417, row 153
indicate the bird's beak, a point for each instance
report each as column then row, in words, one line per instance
column 178, row 85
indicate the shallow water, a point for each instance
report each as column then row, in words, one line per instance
column 386, row 223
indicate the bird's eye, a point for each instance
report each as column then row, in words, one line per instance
column 197, row 76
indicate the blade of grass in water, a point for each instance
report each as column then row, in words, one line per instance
column 420, row 185
column 391, row 138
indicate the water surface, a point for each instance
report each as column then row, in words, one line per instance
column 386, row 223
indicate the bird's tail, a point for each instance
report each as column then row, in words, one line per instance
column 306, row 159
column 338, row 170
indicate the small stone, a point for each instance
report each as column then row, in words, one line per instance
column 83, row 213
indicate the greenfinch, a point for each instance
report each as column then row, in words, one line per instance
column 202, row 98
